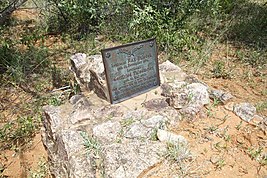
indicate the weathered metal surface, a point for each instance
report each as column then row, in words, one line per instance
column 131, row 69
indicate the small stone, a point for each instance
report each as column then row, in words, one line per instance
column 226, row 97
column 245, row 111
column 156, row 104
column 138, row 130
column 170, row 72
column 191, row 110
column 179, row 100
column 89, row 73
column 173, row 115
column 166, row 90
column 220, row 95
column 240, row 139
column 229, row 106
column 215, row 159
column 263, row 124
column 74, row 99
column 192, row 79
column 155, row 122
column 257, row 119
column 199, row 93
column 165, row 136
column 168, row 66
column 78, row 59
column 182, row 95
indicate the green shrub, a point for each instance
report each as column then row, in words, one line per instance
column 20, row 64
column 17, row 132
column 3, row 4
column 182, row 28
column 81, row 16
column 129, row 20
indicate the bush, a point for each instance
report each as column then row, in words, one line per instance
column 17, row 132
column 20, row 64
column 176, row 25
column 3, row 4
column 182, row 28
column 81, row 16
column 129, row 20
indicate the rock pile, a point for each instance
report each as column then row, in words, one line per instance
column 88, row 137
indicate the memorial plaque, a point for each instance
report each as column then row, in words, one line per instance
column 131, row 69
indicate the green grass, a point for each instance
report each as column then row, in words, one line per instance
column 127, row 122
column 261, row 106
column 220, row 164
column 26, row 68
column 94, row 149
column 220, row 71
column 21, row 61
column 211, row 129
column 153, row 135
column 41, row 171
column 238, row 127
column 258, row 155
column 177, row 152
column 250, row 23
column 91, row 145
column 16, row 133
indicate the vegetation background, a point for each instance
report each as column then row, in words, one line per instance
column 215, row 39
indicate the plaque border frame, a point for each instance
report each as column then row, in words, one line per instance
column 107, row 70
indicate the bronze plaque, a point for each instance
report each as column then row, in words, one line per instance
column 131, row 69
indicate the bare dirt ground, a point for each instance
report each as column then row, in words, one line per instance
column 222, row 145
column 21, row 163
